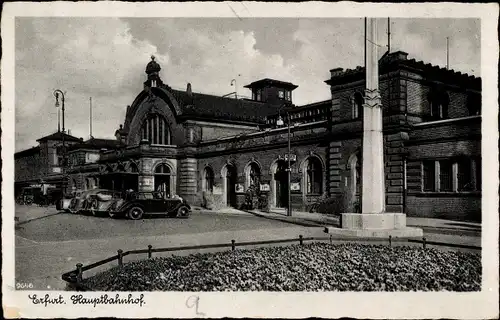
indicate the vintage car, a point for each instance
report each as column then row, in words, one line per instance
column 100, row 202
column 137, row 204
column 64, row 203
column 83, row 202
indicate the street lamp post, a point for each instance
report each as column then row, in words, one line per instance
column 279, row 122
column 289, row 169
column 63, row 165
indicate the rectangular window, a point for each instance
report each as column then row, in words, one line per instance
column 464, row 175
column 445, row 175
column 429, row 176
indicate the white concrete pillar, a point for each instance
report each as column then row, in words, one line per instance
column 373, row 192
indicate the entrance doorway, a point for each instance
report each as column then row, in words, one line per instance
column 230, row 185
column 162, row 180
column 281, row 180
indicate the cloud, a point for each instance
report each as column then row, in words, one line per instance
column 104, row 58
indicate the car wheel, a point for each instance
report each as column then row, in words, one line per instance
column 93, row 207
column 183, row 212
column 135, row 213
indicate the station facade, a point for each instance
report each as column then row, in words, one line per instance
column 188, row 143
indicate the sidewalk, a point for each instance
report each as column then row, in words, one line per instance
column 317, row 219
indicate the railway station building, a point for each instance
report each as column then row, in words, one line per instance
column 188, row 143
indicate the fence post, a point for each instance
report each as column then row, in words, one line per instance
column 424, row 242
column 120, row 257
column 390, row 241
column 150, row 253
column 79, row 272
column 301, row 240
column 233, row 245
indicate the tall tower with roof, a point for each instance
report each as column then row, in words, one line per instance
column 153, row 72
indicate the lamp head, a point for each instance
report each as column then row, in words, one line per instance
column 280, row 121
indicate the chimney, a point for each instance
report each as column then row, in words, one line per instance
column 336, row 72
column 188, row 90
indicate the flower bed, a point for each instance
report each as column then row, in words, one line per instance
column 309, row 267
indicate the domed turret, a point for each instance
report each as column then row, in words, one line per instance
column 153, row 66
column 152, row 70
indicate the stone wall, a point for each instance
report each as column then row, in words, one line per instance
column 265, row 158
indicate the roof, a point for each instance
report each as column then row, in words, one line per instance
column 58, row 136
column 399, row 60
column 26, row 153
column 200, row 105
column 98, row 144
column 271, row 82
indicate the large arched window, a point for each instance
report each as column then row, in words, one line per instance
column 253, row 175
column 314, row 176
column 155, row 130
column 357, row 105
column 208, row 180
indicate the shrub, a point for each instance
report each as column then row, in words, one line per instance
column 251, row 198
column 264, row 202
column 329, row 204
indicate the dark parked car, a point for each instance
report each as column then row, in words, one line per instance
column 137, row 204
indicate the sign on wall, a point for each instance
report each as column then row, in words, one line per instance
column 265, row 187
column 239, row 188
column 146, row 182
column 295, row 186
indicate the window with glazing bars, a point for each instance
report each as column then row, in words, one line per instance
column 429, row 176
column 155, row 129
column 445, row 175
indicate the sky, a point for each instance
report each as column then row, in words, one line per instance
column 105, row 59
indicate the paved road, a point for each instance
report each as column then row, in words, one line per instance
column 48, row 243
column 67, row 226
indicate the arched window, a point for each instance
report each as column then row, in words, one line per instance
column 155, row 129
column 253, row 175
column 162, row 169
column 314, row 176
column 357, row 102
column 208, row 180
column 438, row 102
